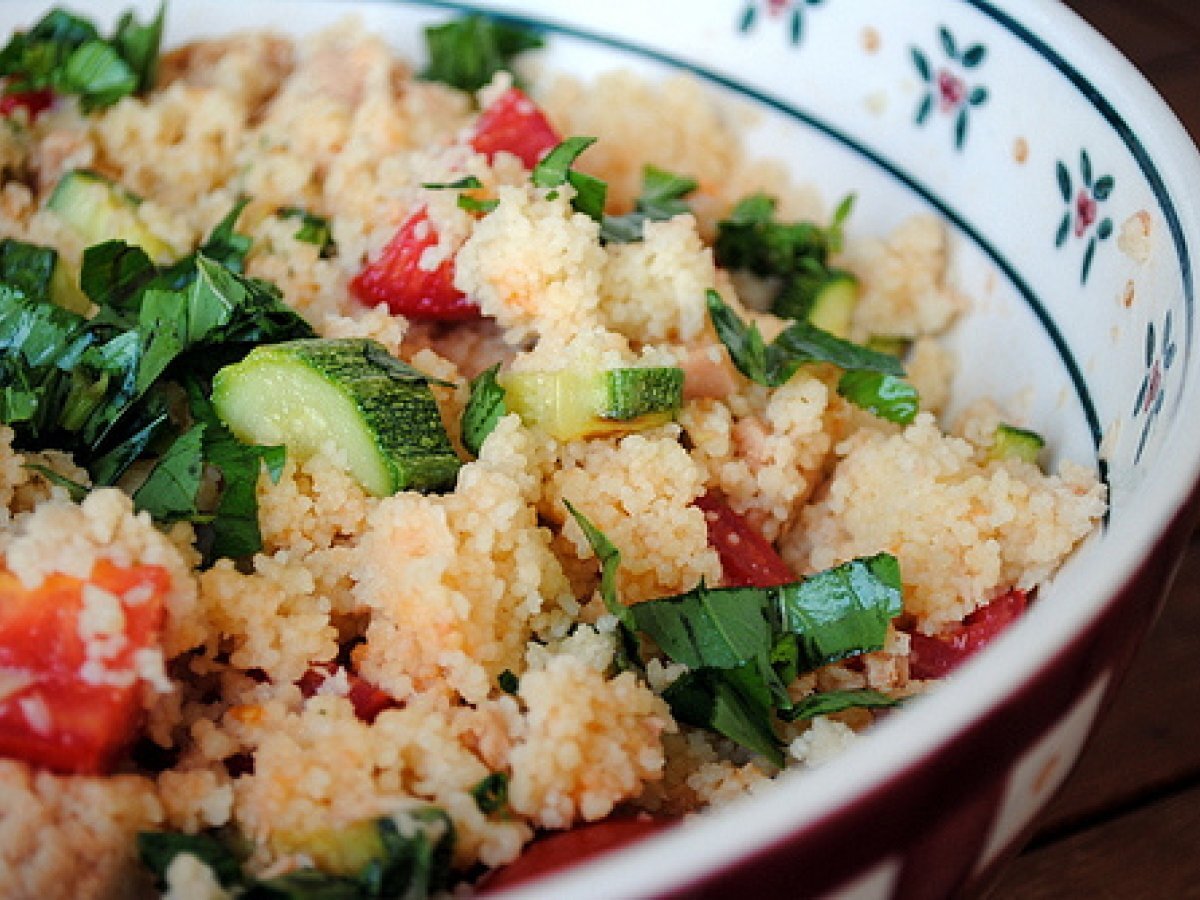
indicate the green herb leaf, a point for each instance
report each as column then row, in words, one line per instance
column 508, row 682
column 830, row 702
column 843, row 611
column 708, row 698
column 610, row 561
column 27, row 267
column 139, row 45
column 751, row 239
column 169, row 491
column 224, row 245
column 313, row 229
column 471, row 205
column 886, row 396
column 158, row 850
column 466, row 183
column 467, row 53
column 97, row 74
column 74, row 489
column 661, row 199
column 628, row 650
column 491, row 794
column 417, row 858
column 235, row 525
column 485, row 407
column 555, row 170
column 114, row 274
column 801, row 342
column 66, row 53
column 720, row 628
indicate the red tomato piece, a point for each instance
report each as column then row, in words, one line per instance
column 562, row 849
column 747, row 558
column 514, row 123
column 398, row 280
column 34, row 102
column 936, row 657
column 367, row 699
column 58, row 709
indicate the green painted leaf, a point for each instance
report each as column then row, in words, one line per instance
column 797, row 25
column 1064, row 230
column 1064, row 181
column 921, row 61
column 947, row 40
column 1089, row 254
column 973, row 56
column 1103, row 188
column 1085, row 168
column 924, row 109
column 748, row 17
column 978, row 96
column 960, row 128
column 1105, row 229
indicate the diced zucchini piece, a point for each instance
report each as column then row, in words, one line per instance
column 826, row 299
column 569, row 405
column 339, row 851
column 349, row 393
column 99, row 210
column 1011, row 442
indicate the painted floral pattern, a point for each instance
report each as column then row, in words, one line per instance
column 1084, row 202
column 948, row 86
column 1160, row 354
column 790, row 11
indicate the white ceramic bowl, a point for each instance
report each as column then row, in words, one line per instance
column 1073, row 195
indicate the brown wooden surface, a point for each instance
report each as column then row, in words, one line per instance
column 1127, row 823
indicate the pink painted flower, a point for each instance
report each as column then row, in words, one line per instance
column 1085, row 212
column 952, row 90
column 778, row 7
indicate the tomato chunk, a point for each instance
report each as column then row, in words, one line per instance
column 562, row 849
column 515, row 124
column 367, row 699
column 398, row 280
column 34, row 102
column 747, row 558
column 59, row 707
column 936, row 657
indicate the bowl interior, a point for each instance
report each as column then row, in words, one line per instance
column 1071, row 193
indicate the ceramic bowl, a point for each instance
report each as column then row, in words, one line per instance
column 1073, row 197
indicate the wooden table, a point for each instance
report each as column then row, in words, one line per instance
column 1127, row 823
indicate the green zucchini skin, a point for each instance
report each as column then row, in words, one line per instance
column 632, row 393
column 350, row 391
